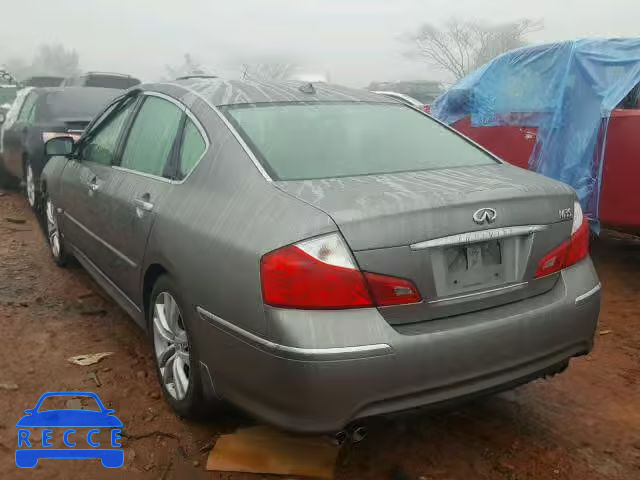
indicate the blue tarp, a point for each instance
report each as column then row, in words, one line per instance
column 567, row 90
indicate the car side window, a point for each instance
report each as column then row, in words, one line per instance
column 102, row 144
column 33, row 112
column 27, row 108
column 152, row 137
column 192, row 148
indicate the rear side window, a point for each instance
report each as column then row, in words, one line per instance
column 301, row 141
column 151, row 137
column 192, row 148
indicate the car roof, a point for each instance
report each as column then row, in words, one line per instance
column 76, row 90
column 219, row 92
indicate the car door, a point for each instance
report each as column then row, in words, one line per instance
column 15, row 134
column 87, row 175
column 140, row 181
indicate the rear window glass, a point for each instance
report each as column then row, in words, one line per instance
column 80, row 104
column 302, row 141
column 106, row 81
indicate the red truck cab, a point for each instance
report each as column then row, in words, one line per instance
column 619, row 195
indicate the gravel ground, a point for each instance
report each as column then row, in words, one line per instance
column 583, row 424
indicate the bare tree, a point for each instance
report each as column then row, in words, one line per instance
column 189, row 66
column 460, row 47
column 55, row 60
column 268, row 71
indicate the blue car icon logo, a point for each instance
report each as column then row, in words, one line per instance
column 31, row 447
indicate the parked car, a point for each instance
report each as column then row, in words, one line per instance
column 42, row 81
column 38, row 115
column 7, row 96
column 406, row 99
column 316, row 254
column 101, row 79
column 425, row 91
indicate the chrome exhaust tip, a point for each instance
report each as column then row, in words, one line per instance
column 358, row 434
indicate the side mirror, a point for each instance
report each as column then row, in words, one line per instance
column 59, row 146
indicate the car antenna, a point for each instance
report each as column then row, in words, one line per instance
column 307, row 88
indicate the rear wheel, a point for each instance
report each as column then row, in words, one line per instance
column 30, row 189
column 177, row 361
column 54, row 235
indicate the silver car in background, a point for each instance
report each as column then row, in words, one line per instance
column 315, row 254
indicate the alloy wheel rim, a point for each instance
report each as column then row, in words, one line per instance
column 31, row 187
column 171, row 345
column 52, row 229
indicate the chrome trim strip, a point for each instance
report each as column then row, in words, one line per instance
column 120, row 255
column 371, row 350
column 143, row 174
column 469, row 295
column 233, row 131
column 480, row 236
column 590, row 293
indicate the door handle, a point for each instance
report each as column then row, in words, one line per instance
column 143, row 204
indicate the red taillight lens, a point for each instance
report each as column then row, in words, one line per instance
column 579, row 245
column 553, row 261
column 389, row 291
column 292, row 278
column 567, row 254
column 320, row 274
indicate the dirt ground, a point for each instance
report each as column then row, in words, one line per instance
column 583, row 424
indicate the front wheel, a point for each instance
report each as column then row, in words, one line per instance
column 176, row 359
column 54, row 235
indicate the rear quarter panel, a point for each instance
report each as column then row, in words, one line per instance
column 214, row 228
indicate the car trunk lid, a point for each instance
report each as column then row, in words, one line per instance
column 420, row 226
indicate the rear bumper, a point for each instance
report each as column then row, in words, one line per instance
column 320, row 382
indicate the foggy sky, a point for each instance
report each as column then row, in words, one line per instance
column 355, row 41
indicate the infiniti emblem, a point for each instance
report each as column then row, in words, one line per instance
column 485, row 215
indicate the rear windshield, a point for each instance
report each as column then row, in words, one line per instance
column 108, row 81
column 76, row 104
column 303, row 141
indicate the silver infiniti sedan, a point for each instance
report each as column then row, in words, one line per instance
column 315, row 254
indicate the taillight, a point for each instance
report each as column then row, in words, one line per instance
column 570, row 252
column 321, row 274
column 389, row 291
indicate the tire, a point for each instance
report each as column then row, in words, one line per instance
column 54, row 234
column 31, row 190
column 176, row 358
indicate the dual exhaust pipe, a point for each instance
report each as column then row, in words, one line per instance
column 355, row 434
